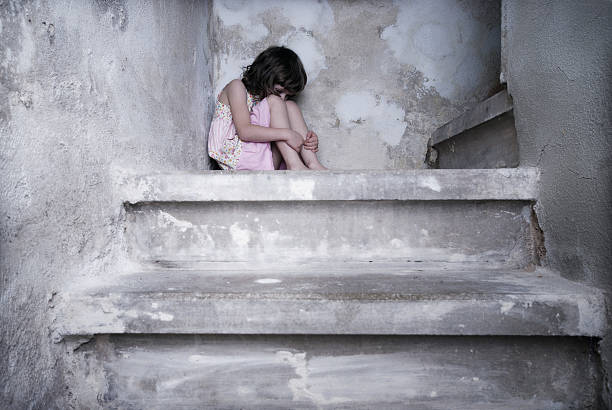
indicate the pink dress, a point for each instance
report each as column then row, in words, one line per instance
column 228, row 150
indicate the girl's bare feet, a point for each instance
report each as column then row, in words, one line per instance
column 313, row 164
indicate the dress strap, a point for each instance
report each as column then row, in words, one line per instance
column 251, row 101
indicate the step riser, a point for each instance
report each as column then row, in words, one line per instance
column 495, row 232
column 490, row 145
column 267, row 372
column 483, row 137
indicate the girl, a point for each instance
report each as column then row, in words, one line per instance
column 256, row 125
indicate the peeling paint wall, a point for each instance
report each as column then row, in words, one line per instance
column 87, row 88
column 560, row 77
column 382, row 75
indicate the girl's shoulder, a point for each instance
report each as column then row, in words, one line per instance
column 236, row 87
column 233, row 87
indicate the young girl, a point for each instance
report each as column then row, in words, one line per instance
column 256, row 125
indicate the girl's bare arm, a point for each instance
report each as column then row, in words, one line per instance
column 236, row 92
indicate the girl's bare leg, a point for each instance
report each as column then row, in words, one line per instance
column 279, row 118
column 296, row 119
column 277, row 158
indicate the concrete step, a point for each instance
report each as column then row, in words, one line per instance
column 375, row 185
column 462, row 216
column 357, row 298
column 483, row 137
column 337, row 372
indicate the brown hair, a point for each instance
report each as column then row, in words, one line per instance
column 275, row 65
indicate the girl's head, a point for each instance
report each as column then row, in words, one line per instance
column 275, row 66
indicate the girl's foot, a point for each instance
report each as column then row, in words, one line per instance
column 317, row 166
column 312, row 162
column 298, row 166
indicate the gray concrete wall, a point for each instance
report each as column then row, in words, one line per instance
column 559, row 74
column 87, row 89
column 382, row 75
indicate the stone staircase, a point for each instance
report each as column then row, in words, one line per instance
column 338, row 290
column 483, row 137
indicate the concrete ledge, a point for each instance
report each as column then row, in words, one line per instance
column 357, row 299
column 415, row 184
column 490, row 108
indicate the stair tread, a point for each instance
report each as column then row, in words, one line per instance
column 358, row 298
column 482, row 112
column 409, row 184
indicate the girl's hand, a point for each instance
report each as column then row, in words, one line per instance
column 295, row 140
column 312, row 141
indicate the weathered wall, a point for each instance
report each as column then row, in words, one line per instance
column 86, row 89
column 382, row 74
column 559, row 74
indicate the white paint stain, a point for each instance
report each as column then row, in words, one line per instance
column 267, row 281
column 372, row 115
column 435, row 310
column 272, row 239
column 306, row 15
column 28, row 48
column 429, row 182
column 322, row 247
column 166, row 219
column 230, row 68
column 174, row 383
column 456, row 257
column 506, row 306
column 302, row 188
column 245, row 391
column 240, row 236
column 298, row 362
column 307, row 22
column 8, row 57
column 396, row 243
column 309, row 50
column 353, row 108
column 361, row 374
column 164, row 317
column 300, row 386
column 444, row 42
column 239, row 13
column 154, row 305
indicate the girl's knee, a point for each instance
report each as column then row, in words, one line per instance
column 275, row 100
column 293, row 111
column 292, row 106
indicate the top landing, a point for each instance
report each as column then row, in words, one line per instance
column 412, row 184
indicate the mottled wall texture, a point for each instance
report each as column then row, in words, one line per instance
column 558, row 58
column 382, row 74
column 87, row 89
